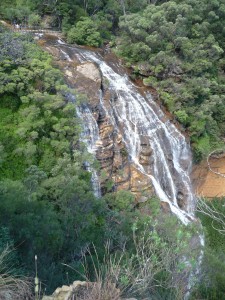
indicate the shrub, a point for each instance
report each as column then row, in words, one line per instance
column 182, row 116
column 85, row 33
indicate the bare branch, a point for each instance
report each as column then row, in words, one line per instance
column 212, row 212
column 208, row 163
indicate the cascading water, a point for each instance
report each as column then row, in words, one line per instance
column 138, row 116
column 90, row 135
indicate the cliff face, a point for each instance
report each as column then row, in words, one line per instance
column 115, row 166
column 207, row 183
column 138, row 147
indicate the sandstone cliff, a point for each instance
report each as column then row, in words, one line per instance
column 208, row 183
column 115, row 165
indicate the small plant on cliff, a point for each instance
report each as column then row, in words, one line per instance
column 124, row 152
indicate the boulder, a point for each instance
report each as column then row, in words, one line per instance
column 91, row 71
column 144, row 69
column 66, row 292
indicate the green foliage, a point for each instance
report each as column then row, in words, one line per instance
column 12, row 286
column 34, row 20
column 214, row 239
column 85, row 33
column 142, row 268
column 179, row 46
column 213, row 268
column 66, row 13
column 168, row 100
column 46, row 199
column 154, row 206
column 37, row 122
column 150, row 81
column 181, row 116
column 2, row 154
column 104, row 25
column 6, row 242
column 46, row 203
column 202, row 147
column 121, row 201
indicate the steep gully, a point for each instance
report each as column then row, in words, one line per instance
column 137, row 146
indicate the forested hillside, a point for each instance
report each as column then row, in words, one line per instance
column 47, row 205
column 41, row 166
column 177, row 46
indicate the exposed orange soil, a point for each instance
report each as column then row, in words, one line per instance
column 207, row 183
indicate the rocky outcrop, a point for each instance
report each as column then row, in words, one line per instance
column 117, row 170
column 111, row 152
column 83, row 290
column 68, row 292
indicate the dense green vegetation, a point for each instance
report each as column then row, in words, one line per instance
column 176, row 46
column 179, row 48
column 44, row 189
column 65, row 14
column 47, row 207
column 213, row 269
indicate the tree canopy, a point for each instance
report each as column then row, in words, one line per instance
column 47, row 206
column 179, row 49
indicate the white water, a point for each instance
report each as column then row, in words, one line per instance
column 90, row 136
column 65, row 55
column 140, row 117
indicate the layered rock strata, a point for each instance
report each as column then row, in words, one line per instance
column 117, row 172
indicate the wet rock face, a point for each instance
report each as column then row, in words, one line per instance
column 116, row 168
column 114, row 159
column 181, row 199
column 113, row 155
column 91, row 71
column 87, row 80
column 145, row 152
column 111, row 152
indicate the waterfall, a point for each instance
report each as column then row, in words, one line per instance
column 136, row 116
column 139, row 116
column 90, row 136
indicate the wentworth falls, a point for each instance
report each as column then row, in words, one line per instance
column 112, row 149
